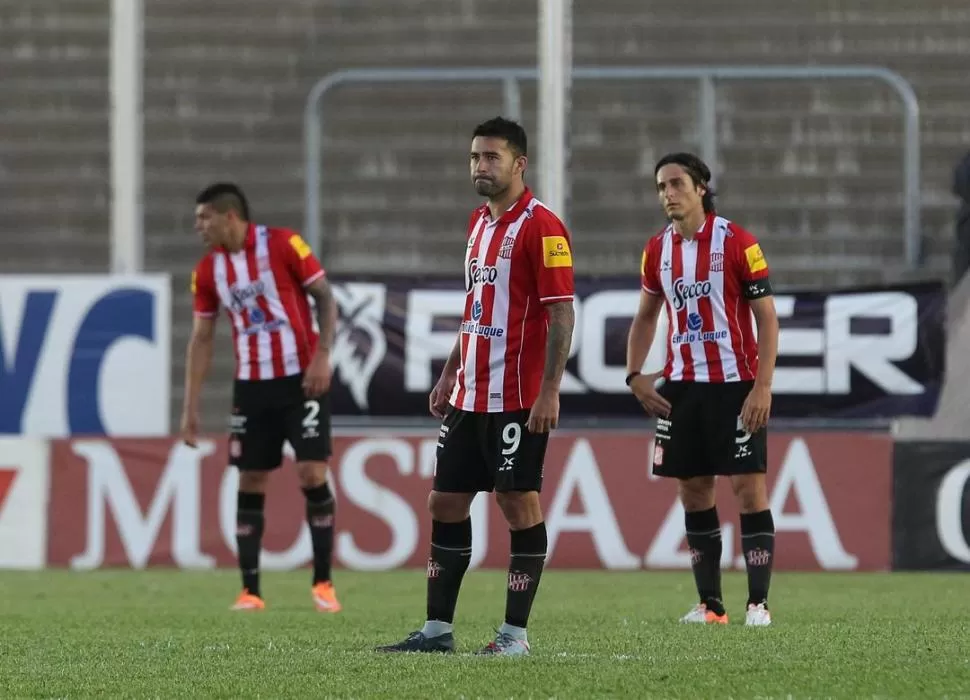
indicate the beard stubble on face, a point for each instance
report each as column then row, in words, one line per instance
column 488, row 188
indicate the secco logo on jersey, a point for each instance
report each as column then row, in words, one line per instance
column 243, row 293
column 683, row 292
column 481, row 274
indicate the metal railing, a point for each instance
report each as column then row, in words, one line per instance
column 706, row 75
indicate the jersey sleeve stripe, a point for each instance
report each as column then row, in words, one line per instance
column 647, row 289
column 546, row 300
column 312, row 278
column 206, row 314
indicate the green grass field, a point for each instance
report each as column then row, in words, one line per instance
column 169, row 634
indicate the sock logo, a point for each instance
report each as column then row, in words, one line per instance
column 321, row 521
column 695, row 556
column 758, row 557
column 244, row 529
column 434, row 569
column 519, row 582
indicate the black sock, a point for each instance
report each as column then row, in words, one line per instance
column 525, row 569
column 320, row 517
column 451, row 552
column 758, row 544
column 704, row 539
column 249, row 537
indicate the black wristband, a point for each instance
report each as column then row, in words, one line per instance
column 630, row 376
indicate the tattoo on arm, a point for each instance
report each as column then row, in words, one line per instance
column 326, row 310
column 562, row 318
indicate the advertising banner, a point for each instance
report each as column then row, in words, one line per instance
column 24, row 487
column 854, row 353
column 931, row 505
column 138, row 503
column 85, row 355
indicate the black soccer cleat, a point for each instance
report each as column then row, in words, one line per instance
column 418, row 643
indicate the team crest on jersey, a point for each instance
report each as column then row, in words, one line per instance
column 717, row 262
column 505, row 250
column 359, row 344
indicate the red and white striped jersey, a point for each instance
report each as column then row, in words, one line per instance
column 513, row 267
column 263, row 288
column 707, row 283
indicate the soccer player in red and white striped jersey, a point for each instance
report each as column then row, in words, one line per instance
column 262, row 277
column 714, row 393
column 498, row 394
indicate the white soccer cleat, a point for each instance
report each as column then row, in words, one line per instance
column 505, row 645
column 757, row 616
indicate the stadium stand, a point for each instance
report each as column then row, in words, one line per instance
column 813, row 167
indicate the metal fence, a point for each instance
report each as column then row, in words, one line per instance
column 314, row 120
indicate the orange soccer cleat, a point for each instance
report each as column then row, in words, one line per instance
column 325, row 597
column 248, row 601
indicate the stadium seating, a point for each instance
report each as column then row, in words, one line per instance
column 813, row 167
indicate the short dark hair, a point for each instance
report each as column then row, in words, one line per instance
column 223, row 196
column 501, row 128
column 698, row 171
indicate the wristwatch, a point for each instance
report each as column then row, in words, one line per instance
column 630, row 376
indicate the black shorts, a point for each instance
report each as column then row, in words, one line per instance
column 703, row 436
column 488, row 451
column 268, row 412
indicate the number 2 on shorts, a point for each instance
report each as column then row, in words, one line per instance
column 312, row 410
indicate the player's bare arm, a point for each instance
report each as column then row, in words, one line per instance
column 438, row 399
column 545, row 411
column 316, row 380
column 643, row 329
column 757, row 407
column 198, row 356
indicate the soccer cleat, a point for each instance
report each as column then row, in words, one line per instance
column 702, row 616
column 325, row 598
column 505, row 645
column 416, row 642
column 248, row 601
column 757, row 616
